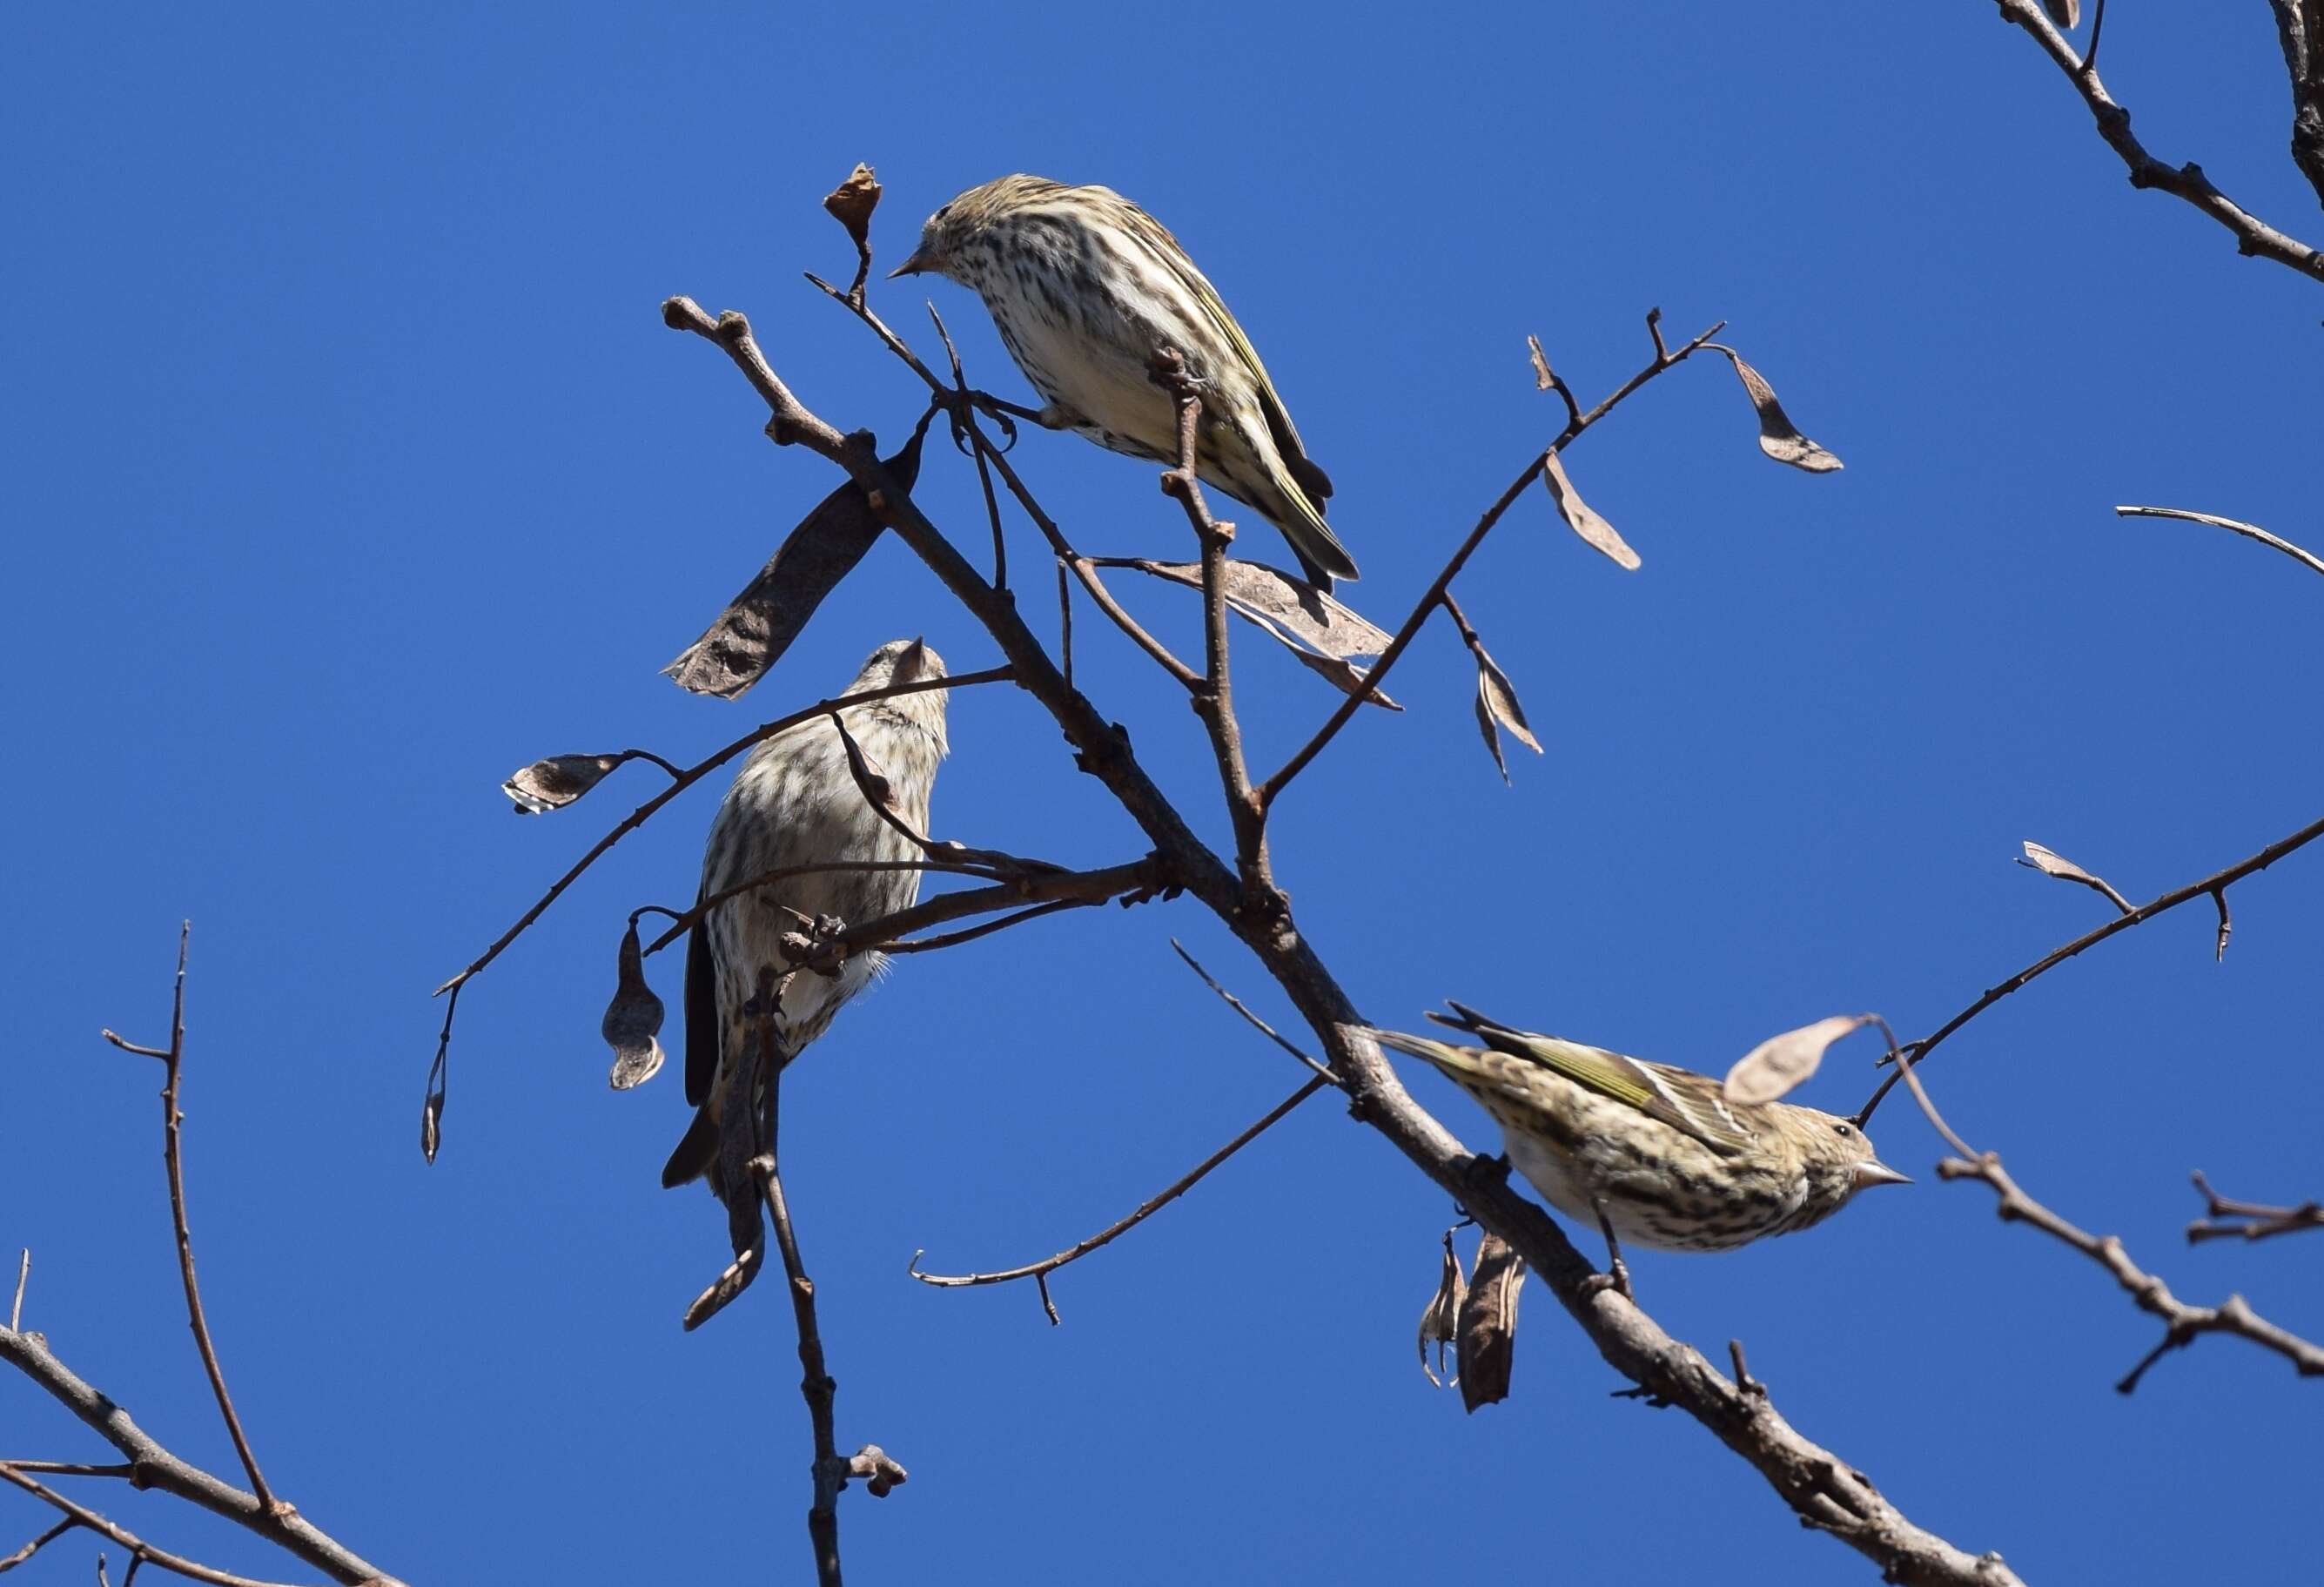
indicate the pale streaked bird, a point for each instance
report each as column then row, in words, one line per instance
column 1085, row 287
column 1658, row 1152
column 795, row 802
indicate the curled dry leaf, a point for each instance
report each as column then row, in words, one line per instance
column 1486, row 1349
column 1496, row 703
column 633, row 1023
column 1582, row 517
column 1779, row 438
column 2050, row 863
column 2066, row 14
column 1322, row 631
column 1542, row 379
column 1781, row 1062
column 760, row 625
column 556, row 782
column 432, row 1123
column 1440, row 1323
column 851, row 202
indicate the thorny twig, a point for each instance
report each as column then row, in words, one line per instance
column 2182, row 1324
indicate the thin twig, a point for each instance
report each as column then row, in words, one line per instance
column 16, row 1307
column 1065, row 622
column 817, row 1384
column 2182, row 1324
column 37, row 1544
column 2307, row 559
column 174, row 1159
column 1145, row 1209
column 1214, row 701
column 2248, row 1220
column 1432, row 598
column 2253, row 235
column 1240, row 1007
column 702, row 325
column 955, row 938
column 2215, row 885
column 81, row 1516
column 125, row 1469
column 964, row 415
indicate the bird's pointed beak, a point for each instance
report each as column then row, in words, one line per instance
column 922, row 259
column 1876, row 1172
column 913, row 661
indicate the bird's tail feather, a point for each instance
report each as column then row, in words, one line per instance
column 696, row 1150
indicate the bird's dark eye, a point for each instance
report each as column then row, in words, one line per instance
column 941, row 212
column 1843, row 1128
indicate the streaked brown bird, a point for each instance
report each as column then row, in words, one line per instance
column 1085, row 287
column 1655, row 1155
column 795, row 802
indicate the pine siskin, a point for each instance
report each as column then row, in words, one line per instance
column 795, row 802
column 1085, row 287
column 1655, row 1155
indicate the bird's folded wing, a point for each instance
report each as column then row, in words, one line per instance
column 1684, row 1101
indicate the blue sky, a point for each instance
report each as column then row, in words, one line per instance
column 351, row 466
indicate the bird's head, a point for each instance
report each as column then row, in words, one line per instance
column 1836, row 1156
column 901, row 662
column 954, row 226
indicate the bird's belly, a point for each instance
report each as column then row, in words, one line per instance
column 1666, row 1207
column 1098, row 372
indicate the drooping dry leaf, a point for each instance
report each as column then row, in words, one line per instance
column 431, row 1124
column 1542, row 378
column 1779, row 438
column 556, row 782
column 1322, row 631
column 632, row 1022
column 1582, row 517
column 851, row 202
column 1496, row 702
column 2066, row 14
column 1781, row 1062
column 2050, row 863
column 1440, row 1323
column 760, row 625
column 1486, row 1349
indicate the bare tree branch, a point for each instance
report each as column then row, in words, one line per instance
column 2225, row 1219
column 2301, row 25
column 2182, row 1324
column 173, row 1158
column 1663, row 361
column 139, row 1549
column 2214, row 886
column 1822, row 1489
column 2253, row 235
column 2249, row 531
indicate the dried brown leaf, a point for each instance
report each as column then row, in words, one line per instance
column 1779, row 438
column 431, row 1124
column 1440, row 1323
column 1542, row 379
column 1486, row 1349
column 2066, row 14
column 1322, row 631
column 1582, row 517
column 2050, row 863
column 556, row 782
column 1781, row 1062
column 632, row 1022
column 760, row 625
column 851, row 202
column 877, row 1470
column 1496, row 703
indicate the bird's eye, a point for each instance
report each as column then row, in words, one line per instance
column 1843, row 1129
column 941, row 212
